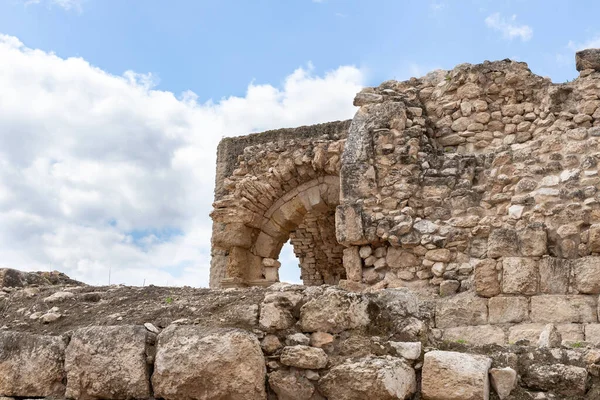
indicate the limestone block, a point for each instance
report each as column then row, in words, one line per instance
column 276, row 311
column 476, row 335
column 520, row 275
column 396, row 258
column 352, row 263
column 301, row 356
column 554, row 275
column 349, row 225
column 486, row 278
column 369, row 378
column 267, row 246
column 533, row 240
column 290, row 385
column 334, row 312
column 562, row 379
column 407, row 350
column 198, row 363
column 549, row 337
column 506, row 310
column 568, row 308
column 587, row 59
column 503, row 242
column 460, row 310
column 232, row 234
column 586, row 272
column 31, row 365
column 529, row 332
column 571, row 332
column 449, row 375
column 504, row 380
column 592, row 333
column 439, row 255
column 594, row 238
column 108, row 362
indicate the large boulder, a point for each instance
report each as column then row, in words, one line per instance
column 334, row 311
column 31, row 365
column 449, row 375
column 108, row 362
column 369, row 378
column 587, row 59
column 195, row 363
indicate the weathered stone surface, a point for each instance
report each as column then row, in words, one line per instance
column 529, row 332
column 476, row 335
column 334, row 312
column 407, row 350
column 462, row 309
column 549, row 337
column 196, row 363
column 586, row 272
column 519, row 276
column 587, row 59
column 108, row 362
column 290, row 385
column 533, row 240
column 562, row 379
column 554, row 275
column 450, row 375
column 369, row 378
column 353, row 264
column 276, row 310
column 503, row 380
column 303, row 357
column 505, row 309
column 31, row 365
column 592, row 334
column 568, row 308
column 486, row 278
column 503, row 242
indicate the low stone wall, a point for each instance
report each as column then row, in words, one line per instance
column 297, row 342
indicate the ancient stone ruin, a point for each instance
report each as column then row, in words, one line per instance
column 449, row 245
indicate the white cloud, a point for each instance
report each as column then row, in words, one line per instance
column 509, row 27
column 592, row 43
column 99, row 171
column 437, row 6
column 66, row 4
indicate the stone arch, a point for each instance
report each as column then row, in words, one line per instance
column 305, row 215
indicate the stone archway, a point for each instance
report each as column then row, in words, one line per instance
column 304, row 215
column 272, row 192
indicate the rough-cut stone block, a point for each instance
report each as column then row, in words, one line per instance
column 334, row 312
column 529, row 332
column 369, row 378
column 503, row 380
column 569, row 308
column 486, row 278
column 449, row 375
column 108, row 362
column 306, row 357
column 352, row 263
column 505, row 310
column 503, row 242
column 461, row 310
column 31, row 365
column 586, row 272
column 587, row 59
column 533, row 240
column 348, row 225
column 571, row 332
column 520, row 275
column 196, row 363
column 291, row 385
column 562, row 379
column 592, row 333
column 232, row 235
column 554, row 275
column 594, row 238
column 476, row 335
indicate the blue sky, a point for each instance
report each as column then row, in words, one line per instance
column 111, row 110
column 215, row 48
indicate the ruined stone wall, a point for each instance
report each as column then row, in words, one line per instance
column 283, row 342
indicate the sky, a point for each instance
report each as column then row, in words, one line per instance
column 111, row 110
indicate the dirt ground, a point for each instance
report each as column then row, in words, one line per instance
column 20, row 308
